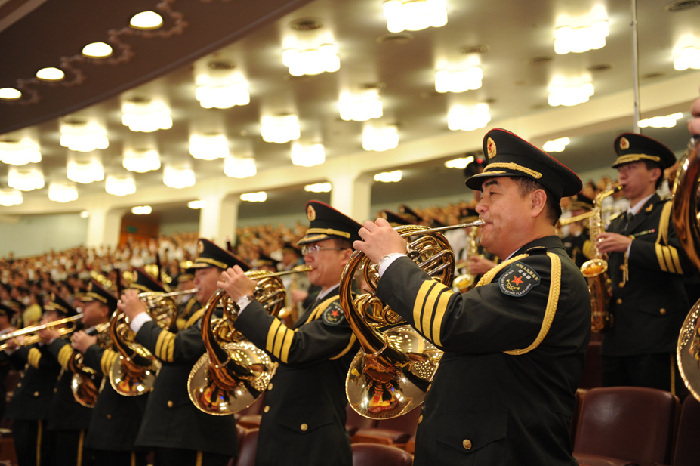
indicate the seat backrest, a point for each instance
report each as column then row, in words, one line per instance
column 248, row 446
column 687, row 450
column 407, row 423
column 355, row 421
column 374, row 454
column 630, row 423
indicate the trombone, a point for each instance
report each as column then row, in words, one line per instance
column 36, row 328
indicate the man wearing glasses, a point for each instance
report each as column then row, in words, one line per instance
column 304, row 412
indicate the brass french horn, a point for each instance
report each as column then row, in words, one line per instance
column 234, row 372
column 685, row 220
column 86, row 381
column 391, row 372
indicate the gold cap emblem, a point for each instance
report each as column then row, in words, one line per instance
column 310, row 213
column 200, row 247
column 624, row 144
column 491, row 147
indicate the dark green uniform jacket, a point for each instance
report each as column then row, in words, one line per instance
column 514, row 347
column 65, row 412
column 171, row 419
column 650, row 304
column 35, row 388
column 303, row 420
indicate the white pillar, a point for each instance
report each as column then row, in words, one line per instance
column 352, row 195
column 103, row 227
column 217, row 219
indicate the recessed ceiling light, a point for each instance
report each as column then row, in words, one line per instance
column 197, row 204
column 400, row 38
column 146, row 20
column 9, row 93
column 97, row 50
column 50, row 74
column 141, row 210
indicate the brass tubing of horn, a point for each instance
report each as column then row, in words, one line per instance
column 36, row 328
column 31, row 339
column 158, row 294
column 684, row 210
column 259, row 274
column 427, row 231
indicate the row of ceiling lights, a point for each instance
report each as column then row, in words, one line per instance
column 223, row 86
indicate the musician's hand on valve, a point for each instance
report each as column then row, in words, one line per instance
column 380, row 239
column 81, row 341
column 236, row 283
column 130, row 304
column 13, row 343
column 612, row 242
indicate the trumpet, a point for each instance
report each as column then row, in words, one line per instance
column 36, row 328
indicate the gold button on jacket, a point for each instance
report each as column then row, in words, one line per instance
column 467, row 444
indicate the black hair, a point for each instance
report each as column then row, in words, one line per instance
column 650, row 166
column 552, row 207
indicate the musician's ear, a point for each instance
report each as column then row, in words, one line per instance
column 538, row 201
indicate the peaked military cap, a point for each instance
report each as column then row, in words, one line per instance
column 510, row 155
column 410, row 214
column 394, row 219
column 581, row 202
column 289, row 247
column 211, row 255
column 56, row 303
column 631, row 147
column 6, row 310
column 265, row 261
column 96, row 293
column 143, row 281
column 325, row 222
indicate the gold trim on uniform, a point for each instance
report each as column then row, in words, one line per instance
column 195, row 317
column 327, row 231
column 550, row 311
column 33, row 357
column 279, row 340
column 108, row 358
column 81, row 441
column 513, row 166
column 429, row 309
column 64, row 355
column 165, row 346
column 666, row 255
column 208, row 262
column 96, row 296
column 629, row 158
column 346, row 349
column 39, row 435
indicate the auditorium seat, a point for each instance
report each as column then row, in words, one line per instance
column 397, row 430
column 355, row 422
column 373, row 454
column 623, row 425
column 250, row 416
column 248, row 445
column 687, row 449
column 592, row 375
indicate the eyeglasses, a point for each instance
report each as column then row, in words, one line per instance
column 315, row 248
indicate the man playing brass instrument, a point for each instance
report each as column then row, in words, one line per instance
column 645, row 266
column 514, row 345
column 303, row 420
column 179, row 433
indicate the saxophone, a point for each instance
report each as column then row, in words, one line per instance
column 595, row 269
column 467, row 281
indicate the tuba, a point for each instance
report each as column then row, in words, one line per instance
column 234, row 372
column 391, row 372
column 86, row 381
column 685, row 220
column 595, row 269
column 134, row 371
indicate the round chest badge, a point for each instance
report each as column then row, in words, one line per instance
column 333, row 315
column 518, row 280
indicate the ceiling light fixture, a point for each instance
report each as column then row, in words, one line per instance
column 280, row 128
column 686, row 53
column 583, row 33
column 62, row 192
column 25, row 178
column 308, row 155
column 260, row 196
column 9, row 93
column 10, row 197
column 178, row 176
column 464, row 117
column 413, row 15
column 308, row 49
column 141, row 210
column 556, row 145
column 389, row 177
column 379, row 137
column 84, row 214
column 141, row 160
column 239, row 167
column 85, row 169
column 459, row 77
column 220, row 85
column 196, row 204
column 50, row 74
column 360, row 105
column 461, row 162
column 120, row 185
column 209, row 146
column 569, row 91
column 97, row 50
column 662, row 121
column 83, row 135
column 146, row 20
column 318, row 188
column 19, row 151
column 146, row 115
